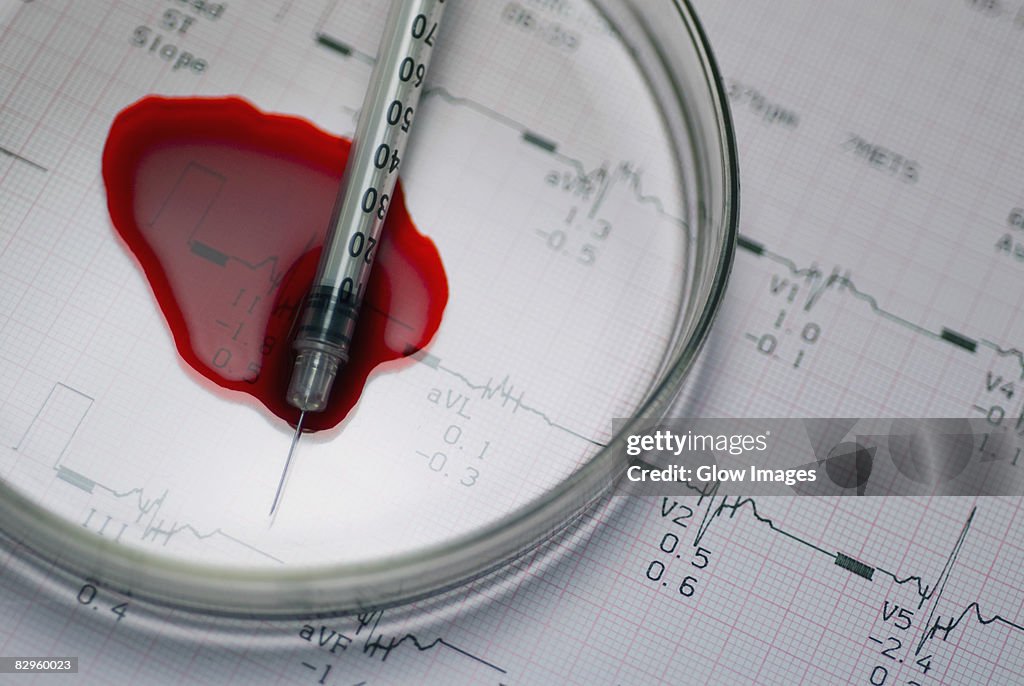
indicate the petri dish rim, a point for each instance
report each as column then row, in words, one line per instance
column 238, row 591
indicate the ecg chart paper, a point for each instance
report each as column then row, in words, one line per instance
column 879, row 273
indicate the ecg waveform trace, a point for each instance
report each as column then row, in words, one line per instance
column 604, row 177
column 933, row 592
column 501, row 389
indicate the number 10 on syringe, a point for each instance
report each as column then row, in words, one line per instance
column 328, row 320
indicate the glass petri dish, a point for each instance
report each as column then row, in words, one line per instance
column 573, row 163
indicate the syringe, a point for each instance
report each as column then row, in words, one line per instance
column 328, row 319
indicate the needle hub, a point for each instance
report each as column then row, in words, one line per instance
column 312, row 378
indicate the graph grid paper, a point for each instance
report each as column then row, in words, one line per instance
column 878, row 273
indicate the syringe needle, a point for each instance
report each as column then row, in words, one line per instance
column 287, row 463
column 326, row 326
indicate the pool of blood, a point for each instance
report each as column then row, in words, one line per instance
column 225, row 207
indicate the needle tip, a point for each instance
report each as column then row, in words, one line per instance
column 287, row 463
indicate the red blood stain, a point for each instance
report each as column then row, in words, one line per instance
column 225, row 208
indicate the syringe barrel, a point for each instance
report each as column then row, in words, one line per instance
column 327, row 323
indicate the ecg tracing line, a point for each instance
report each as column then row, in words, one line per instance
column 712, row 513
column 42, row 409
column 372, row 644
column 923, row 590
column 19, row 158
column 331, row 43
column 153, row 506
column 52, row 430
column 528, row 136
column 933, row 625
column 88, row 485
column 151, row 530
column 505, row 390
column 837, row 282
column 944, row 575
column 821, row 284
column 204, row 251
